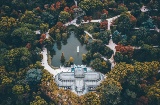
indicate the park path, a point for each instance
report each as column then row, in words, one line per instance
column 44, row 61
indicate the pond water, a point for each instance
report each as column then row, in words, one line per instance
column 69, row 50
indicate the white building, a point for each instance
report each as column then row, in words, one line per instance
column 80, row 79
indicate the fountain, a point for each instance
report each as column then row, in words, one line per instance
column 77, row 48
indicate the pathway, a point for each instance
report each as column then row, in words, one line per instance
column 44, row 61
column 111, row 45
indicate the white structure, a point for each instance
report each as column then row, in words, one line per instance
column 80, row 79
column 77, row 48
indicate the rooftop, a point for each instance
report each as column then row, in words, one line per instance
column 80, row 79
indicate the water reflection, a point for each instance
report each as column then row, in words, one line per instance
column 69, row 48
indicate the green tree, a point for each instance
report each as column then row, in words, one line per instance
column 109, row 91
column 17, row 58
column 126, row 22
column 104, row 36
column 64, row 16
column 34, row 76
column 44, row 27
column 62, row 58
column 121, row 8
column 30, row 17
column 22, row 36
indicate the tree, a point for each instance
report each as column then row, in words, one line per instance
column 91, row 98
column 103, row 17
column 18, row 89
column 8, row 24
column 109, row 91
column 85, row 18
column 22, row 36
column 126, row 22
column 148, row 24
column 49, row 18
column 90, row 5
column 62, row 58
column 33, row 76
column 44, row 27
column 17, row 58
column 84, row 58
column 142, row 17
column 104, row 25
column 141, row 33
column 107, row 52
column 64, row 16
column 154, row 93
column 30, row 17
column 100, row 65
column 64, row 36
column 121, row 8
column 116, row 36
column 119, row 57
column 96, row 46
column 71, row 59
column 38, row 101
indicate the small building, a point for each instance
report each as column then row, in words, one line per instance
column 80, row 79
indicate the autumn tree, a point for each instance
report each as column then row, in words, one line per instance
column 91, row 98
column 38, row 101
column 90, row 6
column 8, row 24
column 64, row 16
column 153, row 93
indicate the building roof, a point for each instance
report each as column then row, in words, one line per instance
column 80, row 79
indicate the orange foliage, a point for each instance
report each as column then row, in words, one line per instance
column 38, row 9
column 133, row 19
column 85, row 18
column 41, row 41
column 104, row 24
column 28, row 45
column 52, row 7
column 58, row 4
column 105, row 11
column 124, row 49
column 43, row 36
column 66, row 9
column 72, row 7
column 60, row 26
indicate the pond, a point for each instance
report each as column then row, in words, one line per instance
column 69, row 50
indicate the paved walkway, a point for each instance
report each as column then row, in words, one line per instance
column 44, row 61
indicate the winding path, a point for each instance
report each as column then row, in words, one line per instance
column 111, row 45
column 44, row 61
